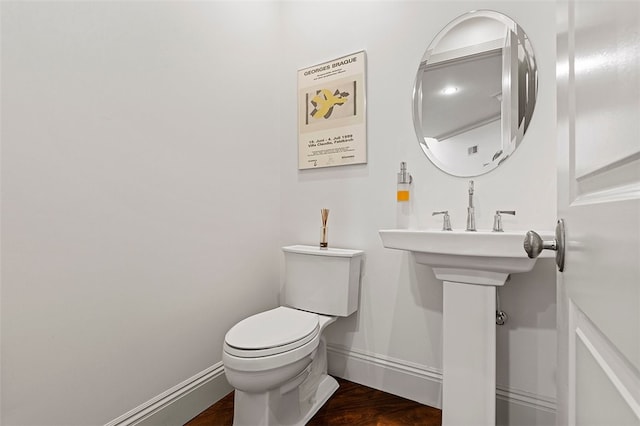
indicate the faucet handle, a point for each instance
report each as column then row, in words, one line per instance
column 446, row 223
column 497, row 219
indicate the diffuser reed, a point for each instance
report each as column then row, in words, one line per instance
column 324, row 243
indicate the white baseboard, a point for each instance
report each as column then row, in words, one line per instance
column 408, row 380
column 402, row 378
column 181, row 403
column 424, row 385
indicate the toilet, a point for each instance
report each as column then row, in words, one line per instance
column 277, row 360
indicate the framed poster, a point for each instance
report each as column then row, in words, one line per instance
column 332, row 124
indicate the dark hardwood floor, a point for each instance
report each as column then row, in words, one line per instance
column 352, row 404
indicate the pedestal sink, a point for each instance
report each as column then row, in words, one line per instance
column 471, row 266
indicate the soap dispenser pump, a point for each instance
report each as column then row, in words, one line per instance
column 403, row 197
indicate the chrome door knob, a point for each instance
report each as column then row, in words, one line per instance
column 533, row 244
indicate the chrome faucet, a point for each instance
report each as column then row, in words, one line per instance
column 446, row 222
column 471, row 215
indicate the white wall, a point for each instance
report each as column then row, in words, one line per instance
column 400, row 314
column 140, row 197
column 149, row 177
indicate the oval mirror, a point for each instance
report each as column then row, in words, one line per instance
column 474, row 94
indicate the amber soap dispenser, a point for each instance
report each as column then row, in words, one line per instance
column 403, row 197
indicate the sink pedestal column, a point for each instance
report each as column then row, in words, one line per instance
column 471, row 266
column 469, row 355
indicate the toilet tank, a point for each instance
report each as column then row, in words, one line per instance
column 324, row 281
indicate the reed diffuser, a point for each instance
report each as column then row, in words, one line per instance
column 324, row 241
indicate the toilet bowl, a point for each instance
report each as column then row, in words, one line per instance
column 280, row 378
column 277, row 360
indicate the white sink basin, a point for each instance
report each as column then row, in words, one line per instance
column 481, row 257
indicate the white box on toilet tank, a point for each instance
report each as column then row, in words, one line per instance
column 325, row 281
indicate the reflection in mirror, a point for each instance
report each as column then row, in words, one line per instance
column 475, row 93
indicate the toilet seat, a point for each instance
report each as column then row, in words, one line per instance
column 271, row 332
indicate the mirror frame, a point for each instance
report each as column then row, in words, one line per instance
column 508, row 147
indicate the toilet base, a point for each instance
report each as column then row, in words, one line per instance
column 273, row 408
column 328, row 386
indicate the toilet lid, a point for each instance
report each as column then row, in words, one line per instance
column 268, row 331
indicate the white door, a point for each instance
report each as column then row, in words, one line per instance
column 599, row 199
